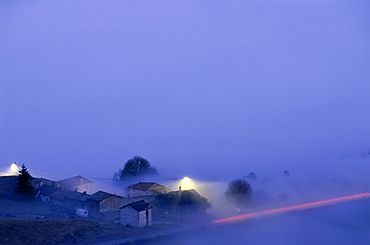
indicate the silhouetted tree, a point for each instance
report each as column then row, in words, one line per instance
column 286, row 174
column 24, row 186
column 136, row 167
column 239, row 191
column 251, row 176
column 116, row 176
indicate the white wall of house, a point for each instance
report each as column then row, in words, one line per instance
column 129, row 216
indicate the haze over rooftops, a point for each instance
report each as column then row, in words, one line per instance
column 76, row 180
column 147, row 186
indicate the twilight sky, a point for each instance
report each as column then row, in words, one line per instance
column 207, row 88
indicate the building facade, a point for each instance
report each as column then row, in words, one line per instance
column 136, row 214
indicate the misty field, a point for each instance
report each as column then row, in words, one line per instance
column 343, row 223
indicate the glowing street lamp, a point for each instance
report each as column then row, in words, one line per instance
column 186, row 183
column 13, row 168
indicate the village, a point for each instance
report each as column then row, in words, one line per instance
column 83, row 212
column 145, row 203
column 76, row 211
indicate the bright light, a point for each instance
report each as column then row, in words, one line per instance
column 14, row 168
column 186, row 179
column 186, row 183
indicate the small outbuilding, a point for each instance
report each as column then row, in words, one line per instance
column 136, row 214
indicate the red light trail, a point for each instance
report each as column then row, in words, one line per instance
column 234, row 217
column 292, row 207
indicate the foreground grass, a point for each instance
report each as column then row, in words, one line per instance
column 63, row 231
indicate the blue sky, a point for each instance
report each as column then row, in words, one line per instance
column 211, row 88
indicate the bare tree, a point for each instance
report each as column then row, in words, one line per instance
column 239, row 191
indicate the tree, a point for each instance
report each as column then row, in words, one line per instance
column 136, row 167
column 24, row 186
column 239, row 191
column 286, row 174
column 251, row 176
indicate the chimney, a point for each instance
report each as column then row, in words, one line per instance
column 180, row 188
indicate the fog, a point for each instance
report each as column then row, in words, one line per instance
column 324, row 225
column 208, row 89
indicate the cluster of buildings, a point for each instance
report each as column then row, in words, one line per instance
column 74, row 193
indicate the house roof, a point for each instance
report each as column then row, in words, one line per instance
column 78, row 196
column 101, row 195
column 54, row 192
column 138, row 206
column 148, row 186
column 76, row 180
column 44, row 181
column 47, row 190
column 177, row 194
column 9, row 179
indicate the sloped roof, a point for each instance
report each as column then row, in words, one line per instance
column 101, row 195
column 147, row 186
column 143, row 186
column 9, row 179
column 76, row 180
column 47, row 190
column 43, row 181
column 78, row 196
column 177, row 194
column 138, row 206
column 54, row 192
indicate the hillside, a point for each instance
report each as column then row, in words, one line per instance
column 64, row 231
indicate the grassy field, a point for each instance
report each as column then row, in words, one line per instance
column 64, row 231
column 20, row 230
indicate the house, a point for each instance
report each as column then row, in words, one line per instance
column 96, row 204
column 38, row 182
column 188, row 204
column 107, row 202
column 77, row 200
column 77, row 183
column 131, row 199
column 47, row 193
column 7, row 185
column 147, row 189
column 137, row 214
column 175, row 195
